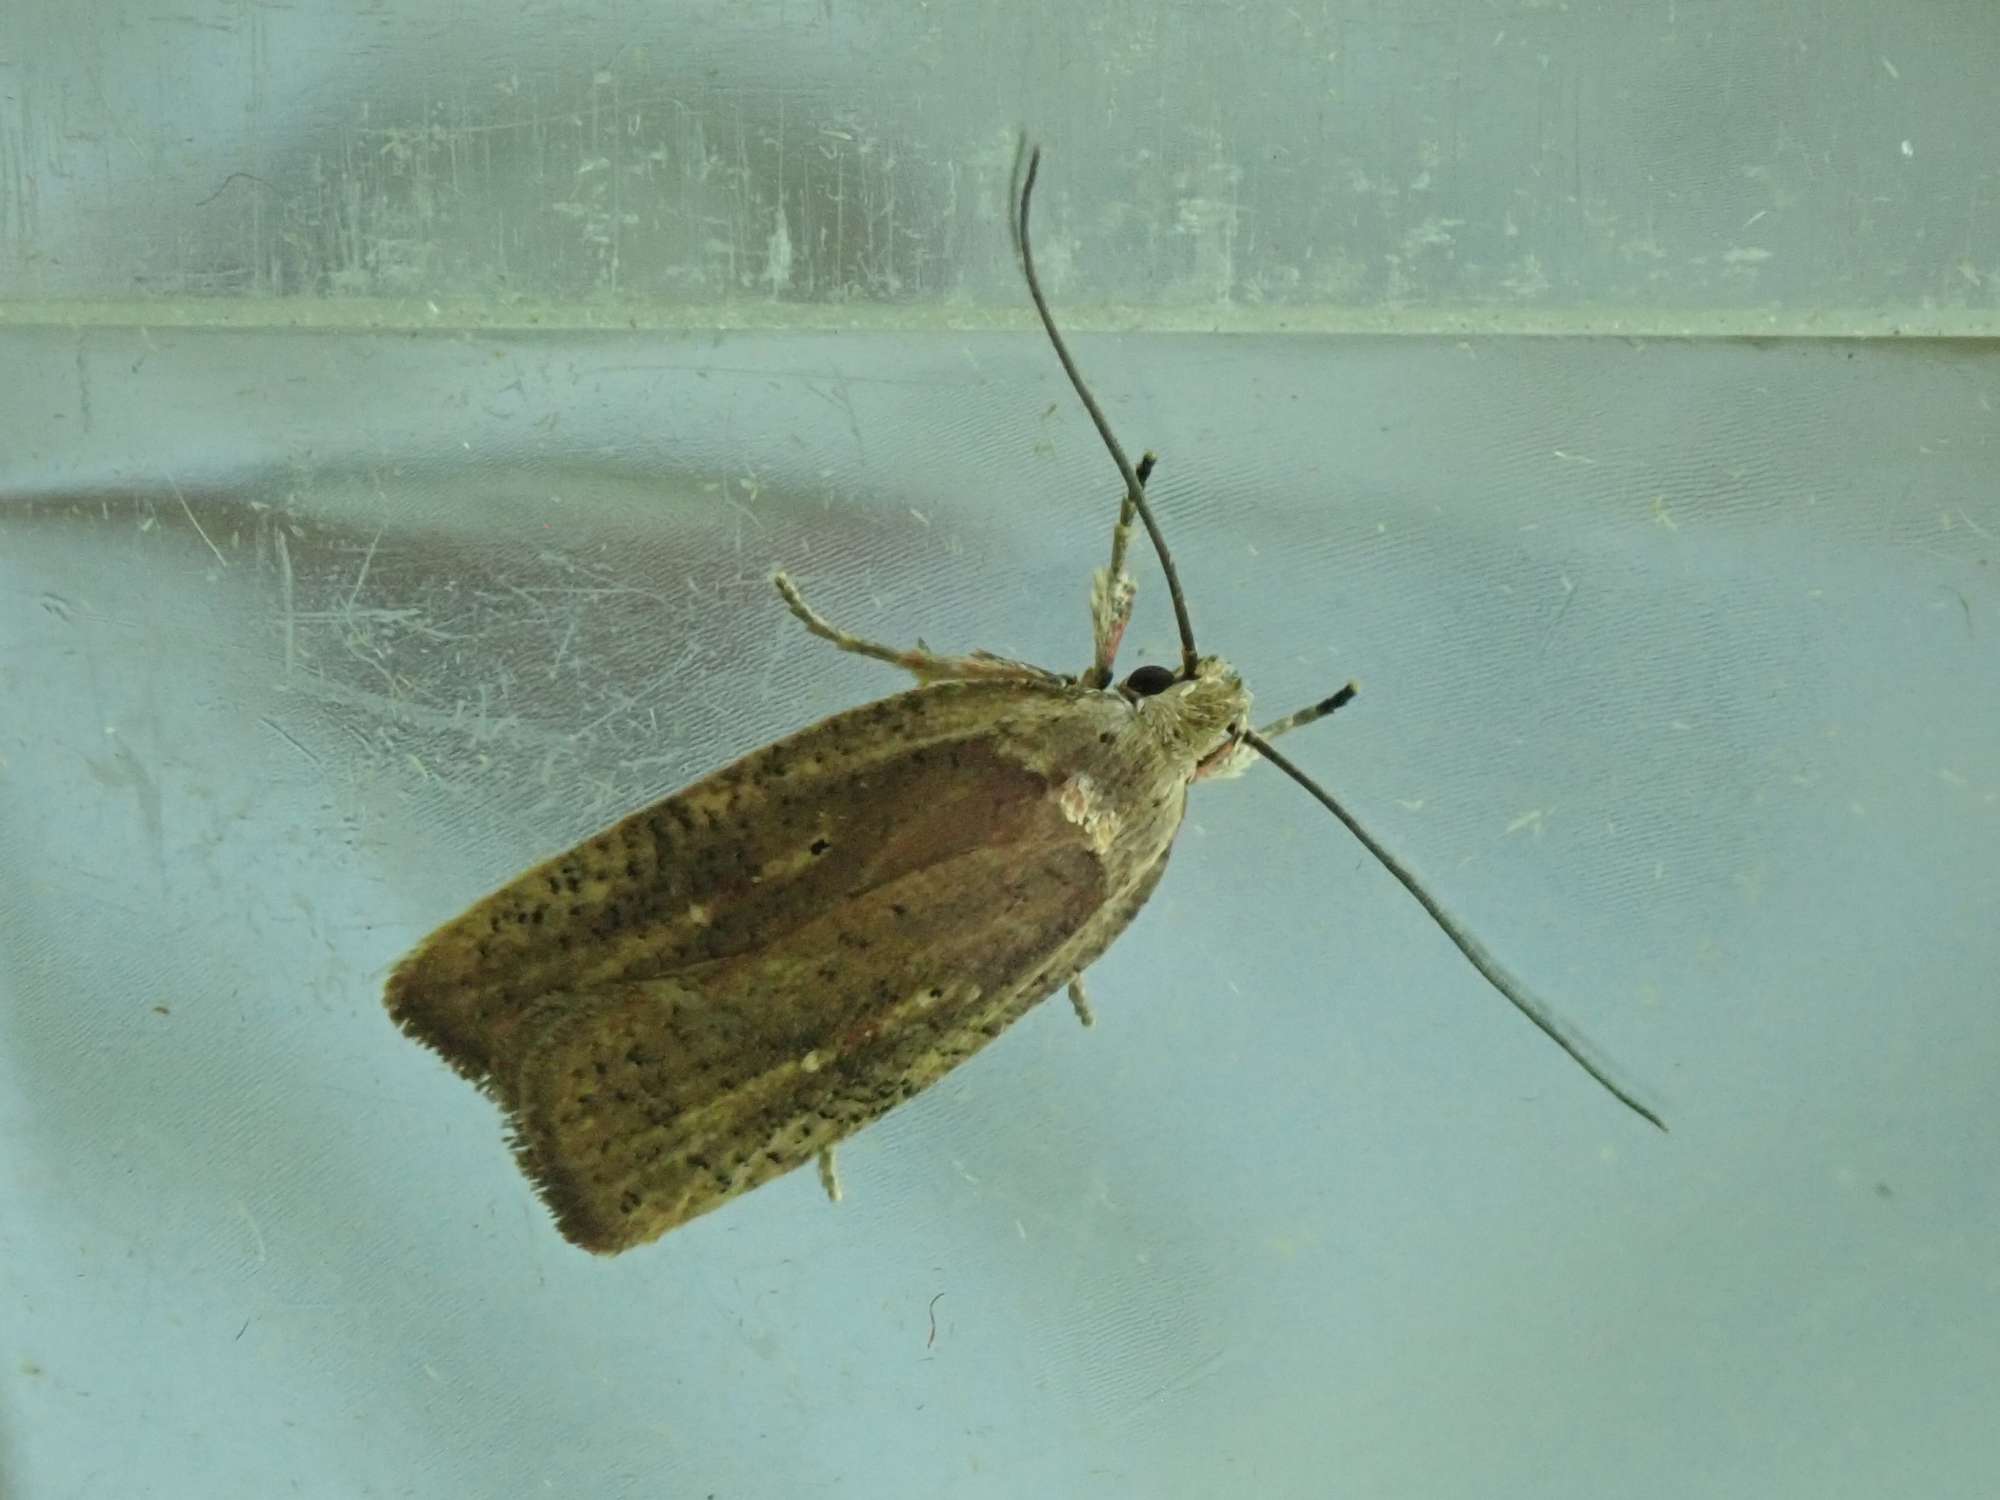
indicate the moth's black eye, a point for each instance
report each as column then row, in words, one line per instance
column 1149, row 681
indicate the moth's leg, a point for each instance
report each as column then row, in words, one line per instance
column 925, row 665
column 921, row 662
column 1235, row 759
column 1112, row 588
column 1311, row 715
column 1110, row 613
column 829, row 1175
column 1081, row 1000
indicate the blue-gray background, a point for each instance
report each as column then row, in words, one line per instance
column 400, row 418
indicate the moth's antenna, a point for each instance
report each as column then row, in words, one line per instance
column 1489, row 967
column 1135, row 491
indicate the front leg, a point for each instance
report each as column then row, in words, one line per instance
column 924, row 665
column 1112, row 589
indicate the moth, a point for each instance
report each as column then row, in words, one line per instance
column 728, row 983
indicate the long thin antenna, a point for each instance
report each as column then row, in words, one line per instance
column 1475, row 951
column 1135, row 492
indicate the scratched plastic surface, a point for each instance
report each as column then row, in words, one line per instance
column 1677, row 662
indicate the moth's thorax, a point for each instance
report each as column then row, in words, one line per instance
column 1119, row 764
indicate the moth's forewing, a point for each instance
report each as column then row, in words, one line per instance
column 708, row 992
column 727, row 866
column 639, row 1107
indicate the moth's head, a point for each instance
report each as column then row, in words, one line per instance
column 1197, row 715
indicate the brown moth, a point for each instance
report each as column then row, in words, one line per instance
column 728, row 983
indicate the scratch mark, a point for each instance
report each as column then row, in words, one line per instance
column 355, row 592
column 279, row 730
column 188, row 511
column 227, row 182
column 285, row 594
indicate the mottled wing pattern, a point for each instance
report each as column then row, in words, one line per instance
column 727, row 866
column 713, row 990
column 639, row 1107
